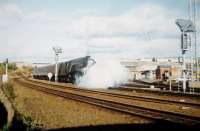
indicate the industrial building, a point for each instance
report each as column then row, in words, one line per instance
column 153, row 70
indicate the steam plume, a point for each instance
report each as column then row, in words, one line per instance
column 103, row 74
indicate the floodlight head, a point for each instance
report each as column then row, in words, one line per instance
column 185, row 25
column 57, row 49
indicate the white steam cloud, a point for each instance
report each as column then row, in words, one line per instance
column 104, row 74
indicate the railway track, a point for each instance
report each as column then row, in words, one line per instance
column 118, row 95
column 115, row 102
column 159, row 86
column 157, row 91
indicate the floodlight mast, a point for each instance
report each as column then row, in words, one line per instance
column 195, row 38
column 57, row 50
column 184, row 49
column 186, row 26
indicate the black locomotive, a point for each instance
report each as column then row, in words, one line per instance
column 68, row 71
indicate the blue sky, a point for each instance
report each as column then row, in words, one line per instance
column 105, row 7
column 120, row 28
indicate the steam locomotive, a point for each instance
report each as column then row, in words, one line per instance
column 68, row 71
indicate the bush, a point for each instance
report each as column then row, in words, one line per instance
column 8, row 90
column 12, row 66
column 23, row 123
column 2, row 69
column 30, row 124
column 5, row 128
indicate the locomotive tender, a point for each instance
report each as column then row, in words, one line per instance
column 68, row 71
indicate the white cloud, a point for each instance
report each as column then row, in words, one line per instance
column 148, row 30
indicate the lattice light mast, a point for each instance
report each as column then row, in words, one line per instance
column 186, row 26
column 57, row 50
column 192, row 14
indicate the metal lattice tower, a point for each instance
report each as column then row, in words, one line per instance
column 186, row 27
column 193, row 56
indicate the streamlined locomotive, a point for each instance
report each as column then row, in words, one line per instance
column 68, row 71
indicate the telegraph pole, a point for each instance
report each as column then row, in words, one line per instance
column 5, row 76
column 7, row 67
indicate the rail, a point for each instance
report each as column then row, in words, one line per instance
column 106, row 100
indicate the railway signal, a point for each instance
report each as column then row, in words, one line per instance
column 57, row 50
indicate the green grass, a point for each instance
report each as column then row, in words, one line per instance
column 9, row 90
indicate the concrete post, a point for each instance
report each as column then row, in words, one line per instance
column 56, row 67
